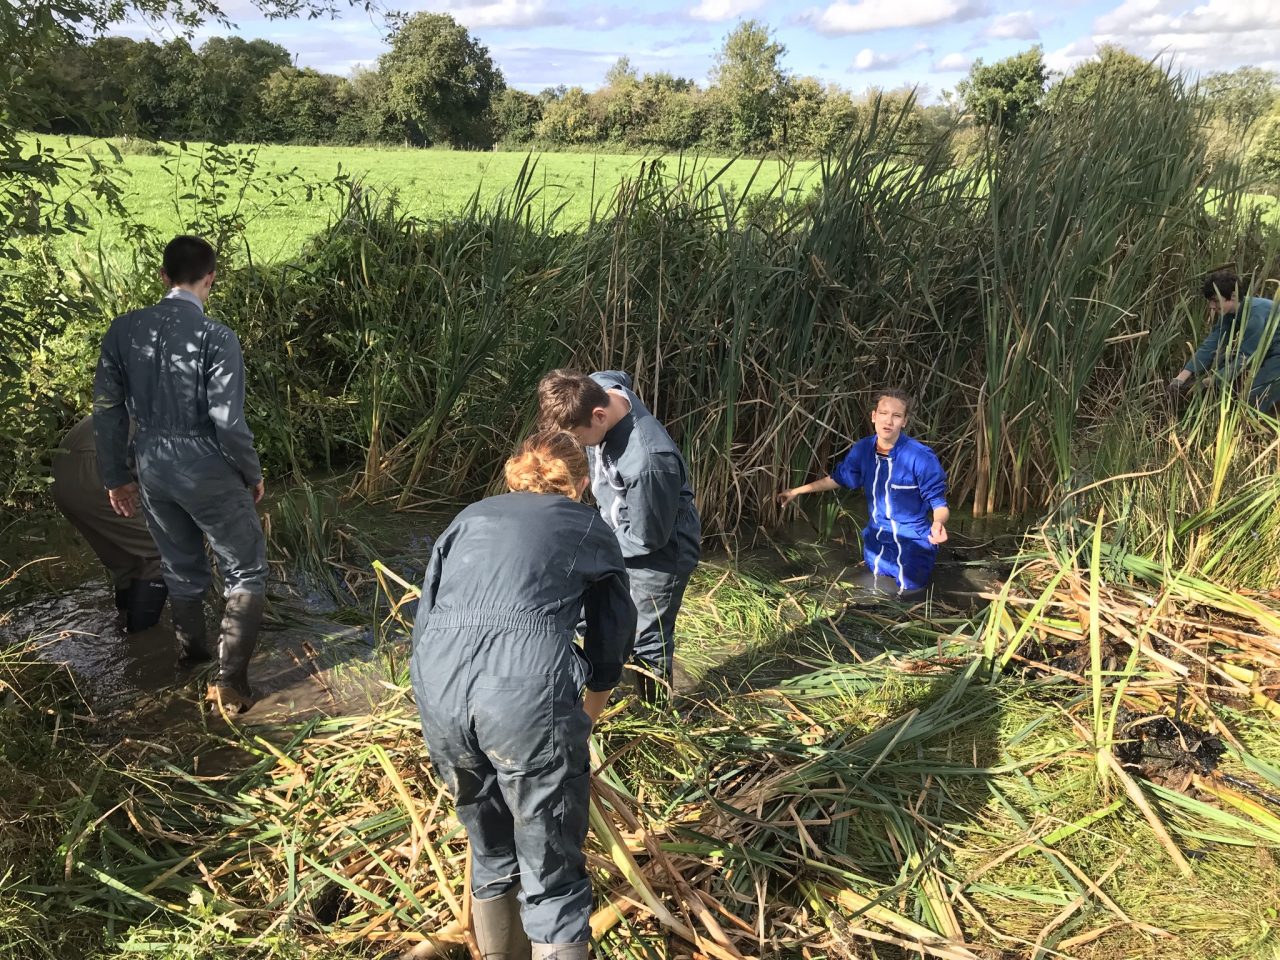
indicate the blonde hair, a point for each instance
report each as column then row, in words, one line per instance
column 550, row 461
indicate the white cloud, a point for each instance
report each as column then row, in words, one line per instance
column 1065, row 59
column 1195, row 35
column 1176, row 16
column 867, row 16
column 717, row 10
column 952, row 62
column 503, row 13
column 868, row 59
column 1019, row 25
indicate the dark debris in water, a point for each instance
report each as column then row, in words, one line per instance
column 1166, row 750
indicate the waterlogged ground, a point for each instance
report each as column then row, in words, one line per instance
column 319, row 653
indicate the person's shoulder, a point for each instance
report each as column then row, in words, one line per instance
column 920, row 449
column 862, row 446
column 650, row 439
column 218, row 332
column 130, row 317
column 612, row 378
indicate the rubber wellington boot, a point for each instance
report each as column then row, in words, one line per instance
column 647, row 686
column 190, row 629
column 146, row 602
column 560, row 951
column 122, row 599
column 241, row 621
column 499, row 933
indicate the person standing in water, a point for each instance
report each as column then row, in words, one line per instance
column 904, row 483
column 123, row 544
column 180, row 376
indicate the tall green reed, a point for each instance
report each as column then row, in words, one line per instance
column 1033, row 299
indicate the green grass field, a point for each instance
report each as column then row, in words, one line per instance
column 429, row 183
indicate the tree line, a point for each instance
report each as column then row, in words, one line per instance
column 437, row 85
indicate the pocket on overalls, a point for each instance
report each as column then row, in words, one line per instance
column 515, row 720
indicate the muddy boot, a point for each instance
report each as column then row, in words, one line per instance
column 646, row 685
column 499, row 933
column 146, row 603
column 560, row 951
column 190, row 629
column 240, row 623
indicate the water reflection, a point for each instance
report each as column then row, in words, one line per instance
column 304, row 664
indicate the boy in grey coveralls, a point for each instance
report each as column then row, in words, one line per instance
column 180, row 376
column 641, row 486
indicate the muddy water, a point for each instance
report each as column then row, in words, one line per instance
column 314, row 655
column 308, row 660
column 969, row 563
column 305, row 664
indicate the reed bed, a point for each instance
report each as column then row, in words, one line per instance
column 991, row 785
column 1035, row 298
column 1087, row 767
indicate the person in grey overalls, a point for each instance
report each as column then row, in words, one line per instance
column 180, row 376
column 641, row 485
column 123, row 544
column 499, row 684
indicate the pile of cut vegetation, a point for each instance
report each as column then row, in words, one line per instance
column 1082, row 769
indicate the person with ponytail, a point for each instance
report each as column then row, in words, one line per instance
column 508, row 699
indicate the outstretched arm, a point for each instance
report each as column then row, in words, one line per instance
column 817, row 486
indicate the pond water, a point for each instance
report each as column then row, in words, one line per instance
column 319, row 654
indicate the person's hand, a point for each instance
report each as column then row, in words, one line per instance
column 786, row 496
column 124, row 500
column 594, row 702
column 259, row 489
column 938, row 533
column 1175, row 387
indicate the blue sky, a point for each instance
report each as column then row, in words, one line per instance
column 855, row 43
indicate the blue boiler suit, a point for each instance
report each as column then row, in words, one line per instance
column 901, row 487
column 1233, row 341
column 181, row 377
column 498, row 681
column 641, row 484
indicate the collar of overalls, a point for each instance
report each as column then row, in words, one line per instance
column 177, row 293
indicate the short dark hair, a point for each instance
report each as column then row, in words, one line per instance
column 893, row 393
column 566, row 399
column 189, row 259
column 1223, row 283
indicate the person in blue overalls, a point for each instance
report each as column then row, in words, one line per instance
column 1245, row 326
column 499, row 684
column 903, row 481
column 641, row 484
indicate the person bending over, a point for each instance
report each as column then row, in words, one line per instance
column 499, row 683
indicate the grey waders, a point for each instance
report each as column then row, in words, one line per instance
column 241, row 621
column 499, row 933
